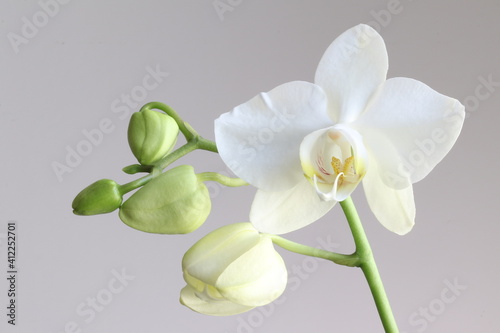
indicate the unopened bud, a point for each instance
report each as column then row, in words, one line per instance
column 151, row 135
column 176, row 202
column 100, row 197
column 232, row 270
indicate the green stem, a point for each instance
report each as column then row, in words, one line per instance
column 351, row 260
column 189, row 133
column 206, row 144
column 125, row 188
column 184, row 127
column 195, row 143
column 369, row 267
column 221, row 179
column 175, row 155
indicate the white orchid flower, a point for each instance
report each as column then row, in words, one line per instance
column 232, row 270
column 307, row 146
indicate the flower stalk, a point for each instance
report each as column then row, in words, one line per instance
column 221, row 179
column 369, row 267
column 350, row 260
column 362, row 258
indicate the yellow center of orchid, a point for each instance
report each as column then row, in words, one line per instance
column 333, row 161
column 344, row 170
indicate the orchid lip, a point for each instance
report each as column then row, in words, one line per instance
column 342, row 147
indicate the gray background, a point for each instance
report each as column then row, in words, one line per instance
column 67, row 77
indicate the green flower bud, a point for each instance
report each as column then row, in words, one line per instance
column 100, row 197
column 151, row 135
column 176, row 202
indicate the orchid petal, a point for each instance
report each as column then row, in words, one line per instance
column 351, row 70
column 409, row 129
column 259, row 140
column 240, row 237
column 394, row 209
column 256, row 278
column 286, row 211
column 213, row 308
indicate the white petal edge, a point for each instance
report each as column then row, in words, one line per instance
column 259, row 140
column 394, row 209
column 287, row 211
column 351, row 70
column 409, row 129
column 213, row 308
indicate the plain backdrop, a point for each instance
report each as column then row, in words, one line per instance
column 71, row 68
